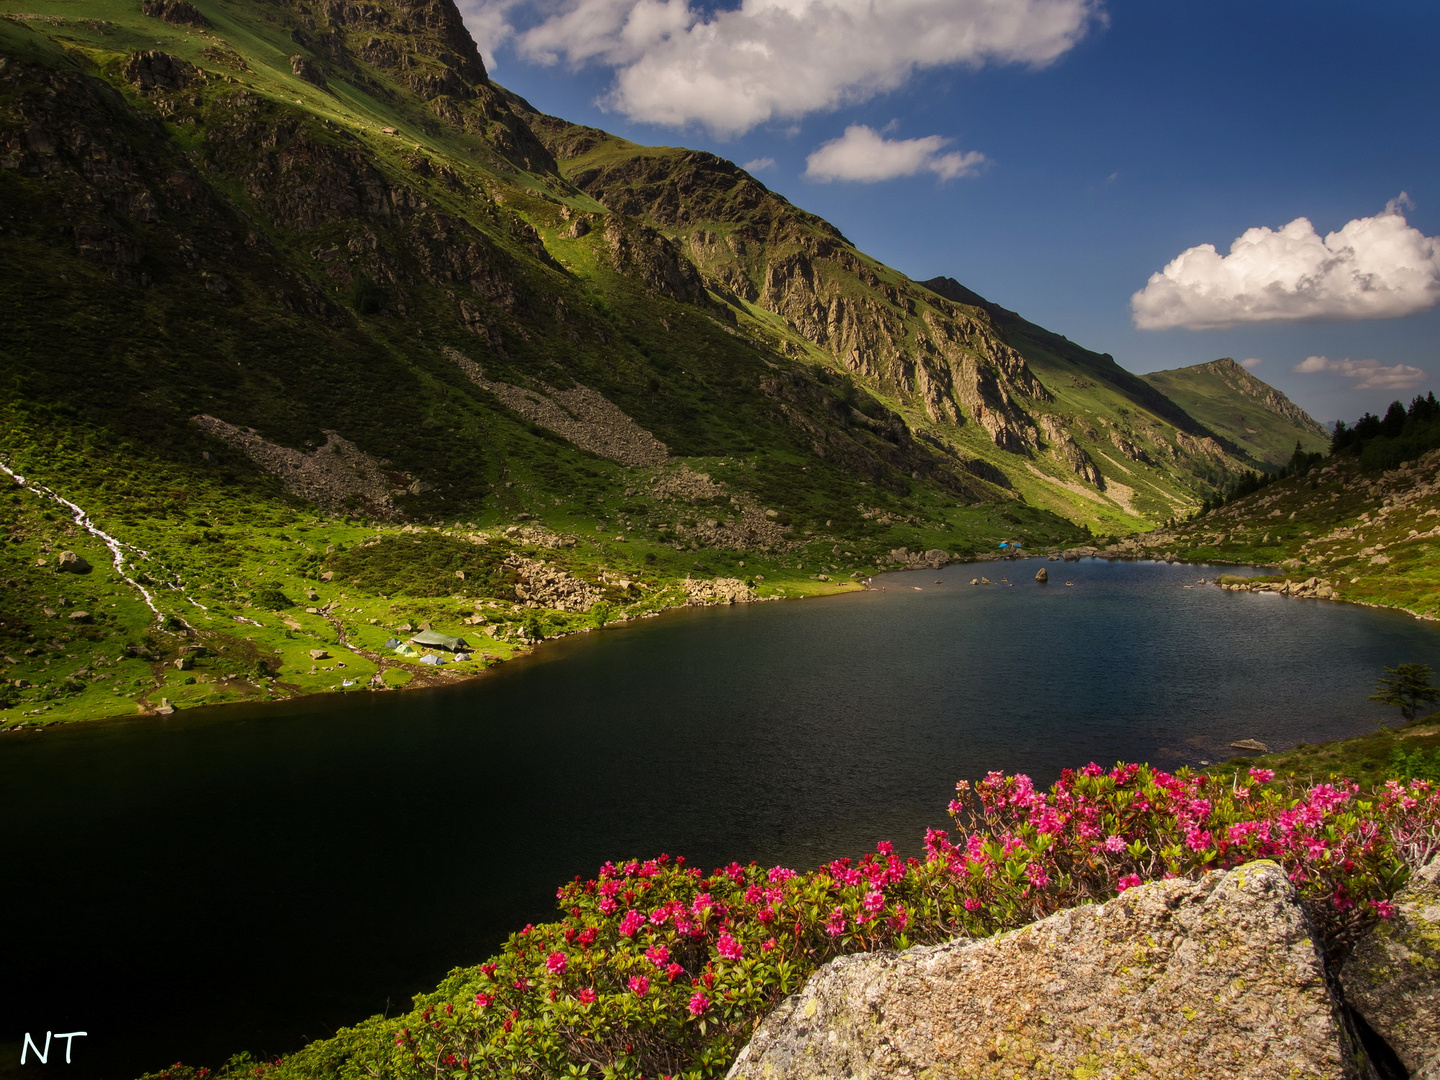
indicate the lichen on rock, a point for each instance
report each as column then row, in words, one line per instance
column 1211, row 979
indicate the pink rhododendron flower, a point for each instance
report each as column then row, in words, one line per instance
column 698, row 1003
column 1114, row 844
column 659, row 955
column 586, row 995
column 767, row 944
column 606, row 905
column 632, row 922
column 1384, row 908
column 556, row 963
column 1129, row 881
column 1262, row 776
column 971, row 904
column 836, row 926
column 874, row 901
column 728, row 947
column 885, row 847
column 639, row 985
column 778, row 874
column 674, row 971
column 483, row 1000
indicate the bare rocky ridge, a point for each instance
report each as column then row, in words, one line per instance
column 338, row 476
column 1211, row 980
column 586, row 418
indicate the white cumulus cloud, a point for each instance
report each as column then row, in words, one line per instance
column 1251, row 363
column 734, row 68
column 1372, row 374
column 758, row 164
column 864, row 154
column 1373, row 268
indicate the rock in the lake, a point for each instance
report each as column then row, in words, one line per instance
column 1392, row 978
column 1212, row 979
column 1251, row 744
column 71, row 563
column 1042, row 575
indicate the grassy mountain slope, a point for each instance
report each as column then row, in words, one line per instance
column 282, row 287
column 287, row 286
column 1069, row 429
column 1337, row 531
column 1251, row 414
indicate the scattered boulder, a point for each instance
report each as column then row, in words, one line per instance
column 328, row 575
column 319, row 654
column 1042, row 575
column 1392, row 978
column 184, row 663
column 81, row 617
column 1251, row 744
column 71, row 563
column 164, row 708
column 1217, row 978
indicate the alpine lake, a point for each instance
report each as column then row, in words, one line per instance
column 251, row 878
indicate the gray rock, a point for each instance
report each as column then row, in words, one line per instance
column 1212, row 979
column 71, row 563
column 1392, row 978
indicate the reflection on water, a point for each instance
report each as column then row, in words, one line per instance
column 252, row 878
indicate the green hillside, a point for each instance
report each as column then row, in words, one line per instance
column 328, row 335
column 1361, row 524
column 1251, row 414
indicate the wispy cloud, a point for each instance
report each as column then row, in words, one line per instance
column 735, row 68
column 864, row 154
column 1251, row 363
column 1373, row 268
column 759, row 164
column 1372, row 374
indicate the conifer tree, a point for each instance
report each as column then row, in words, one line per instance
column 1407, row 687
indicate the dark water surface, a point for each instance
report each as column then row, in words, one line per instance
column 250, row 878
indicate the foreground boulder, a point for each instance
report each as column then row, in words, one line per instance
column 1216, row 978
column 1392, row 978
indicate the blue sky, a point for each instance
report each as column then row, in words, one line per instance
column 1054, row 154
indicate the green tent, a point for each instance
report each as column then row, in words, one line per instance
column 433, row 639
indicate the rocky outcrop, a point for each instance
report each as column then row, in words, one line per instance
column 154, row 70
column 717, row 591
column 1069, row 453
column 542, row 585
column 1311, row 588
column 178, row 12
column 933, row 559
column 586, row 418
column 1392, row 979
column 1213, row 979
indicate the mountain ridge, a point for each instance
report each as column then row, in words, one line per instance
column 285, row 283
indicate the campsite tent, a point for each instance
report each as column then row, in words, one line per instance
column 433, row 639
column 431, row 659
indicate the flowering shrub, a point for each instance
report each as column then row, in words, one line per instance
column 656, row 969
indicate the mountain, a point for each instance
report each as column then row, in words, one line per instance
column 314, row 332
column 1251, row 414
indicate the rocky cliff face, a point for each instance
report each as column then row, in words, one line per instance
column 1210, row 979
